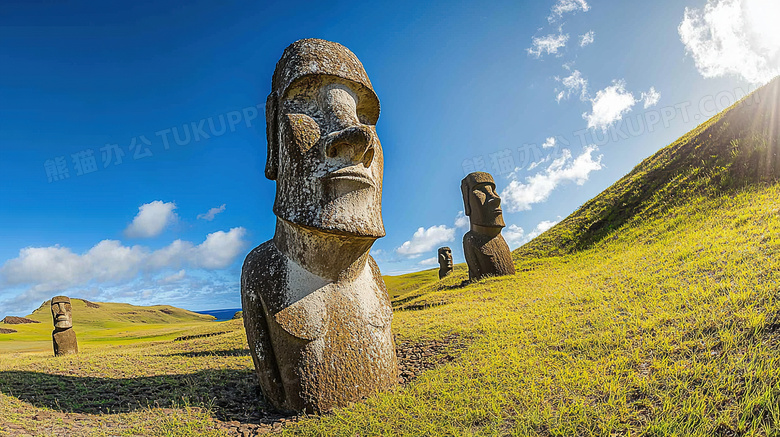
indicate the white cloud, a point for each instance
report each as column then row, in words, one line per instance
column 427, row 262
column 175, row 277
column 609, row 105
column 520, row 196
column 573, row 84
column 461, row 221
column 152, row 219
column 540, row 228
column 734, row 37
column 587, row 38
column 426, row 240
column 514, row 236
column 209, row 216
column 47, row 269
column 565, row 7
column 549, row 143
column 547, row 44
column 651, row 97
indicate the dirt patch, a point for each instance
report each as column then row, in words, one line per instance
column 13, row 320
column 166, row 311
column 191, row 337
column 91, row 304
column 7, row 331
column 415, row 358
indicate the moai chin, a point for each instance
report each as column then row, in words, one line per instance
column 316, row 310
column 63, row 336
column 445, row 262
column 487, row 254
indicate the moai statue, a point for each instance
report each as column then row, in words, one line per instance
column 316, row 310
column 63, row 336
column 445, row 262
column 487, row 254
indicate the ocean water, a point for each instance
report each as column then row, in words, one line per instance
column 221, row 315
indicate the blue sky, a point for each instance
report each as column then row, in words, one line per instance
column 133, row 145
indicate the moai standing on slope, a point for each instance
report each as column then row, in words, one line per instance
column 445, row 262
column 487, row 254
column 63, row 336
column 316, row 310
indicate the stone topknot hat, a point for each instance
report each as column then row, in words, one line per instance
column 478, row 177
column 309, row 57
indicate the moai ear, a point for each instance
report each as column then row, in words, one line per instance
column 464, row 188
column 272, row 136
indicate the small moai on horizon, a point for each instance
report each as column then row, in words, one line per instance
column 445, row 262
column 316, row 309
column 63, row 336
column 486, row 251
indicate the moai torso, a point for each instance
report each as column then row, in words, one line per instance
column 487, row 256
column 64, row 342
column 316, row 344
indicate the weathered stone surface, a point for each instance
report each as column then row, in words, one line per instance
column 445, row 261
column 316, row 310
column 486, row 252
column 13, row 320
column 63, row 336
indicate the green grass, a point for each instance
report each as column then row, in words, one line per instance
column 654, row 310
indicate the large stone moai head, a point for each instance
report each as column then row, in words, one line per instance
column 480, row 200
column 316, row 310
column 486, row 252
column 445, row 261
column 323, row 151
column 63, row 337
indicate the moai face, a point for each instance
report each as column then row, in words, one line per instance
column 61, row 312
column 480, row 200
column 445, row 258
column 323, row 150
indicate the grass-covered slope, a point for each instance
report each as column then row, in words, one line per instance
column 97, row 323
column 736, row 148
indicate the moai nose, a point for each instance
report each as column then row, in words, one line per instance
column 355, row 143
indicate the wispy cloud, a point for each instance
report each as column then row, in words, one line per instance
column 429, row 262
column 515, row 236
column 549, row 44
column 573, row 84
column 587, row 38
column 562, row 7
column 152, row 219
column 519, row 196
column 211, row 213
column 650, row 98
column 734, row 37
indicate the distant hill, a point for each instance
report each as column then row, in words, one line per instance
column 105, row 314
column 735, row 148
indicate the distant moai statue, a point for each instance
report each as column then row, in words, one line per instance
column 63, row 336
column 316, row 310
column 487, row 254
column 445, row 262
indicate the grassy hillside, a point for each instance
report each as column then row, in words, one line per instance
column 654, row 310
column 401, row 285
column 734, row 149
column 97, row 323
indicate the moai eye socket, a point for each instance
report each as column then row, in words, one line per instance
column 301, row 131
